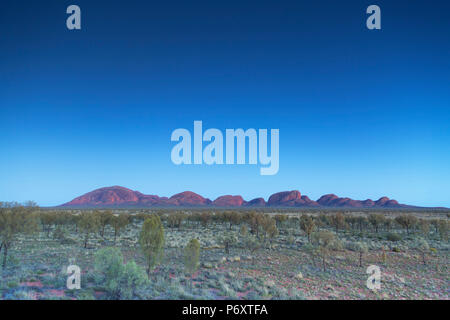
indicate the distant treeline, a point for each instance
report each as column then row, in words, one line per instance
column 261, row 209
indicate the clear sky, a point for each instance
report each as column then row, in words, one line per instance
column 361, row 113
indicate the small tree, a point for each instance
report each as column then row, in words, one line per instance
column 47, row 219
column 311, row 250
column 15, row 219
column 406, row 221
column 362, row 222
column 338, row 221
column 383, row 255
column 388, row 224
column 105, row 218
column 151, row 240
column 269, row 227
column 253, row 243
column 232, row 217
column 191, row 256
column 323, row 240
column 255, row 221
column 424, row 226
column 243, row 230
column 423, row 248
column 376, row 220
column 205, row 218
column 308, row 225
column 361, row 248
column 323, row 221
column 175, row 220
column 442, row 226
column 89, row 223
column 119, row 222
column 228, row 239
column 280, row 219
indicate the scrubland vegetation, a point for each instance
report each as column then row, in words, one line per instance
column 222, row 254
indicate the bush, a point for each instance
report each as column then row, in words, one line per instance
column 252, row 243
column 423, row 247
column 133, row 277
column 58, row 233
column 290, row 240
column 324, row 242
column 243, row 230
column 393, row 237
column 119, row 280
column 228, row 239
column 191, row 255
column 151, row 240
column 361, row 248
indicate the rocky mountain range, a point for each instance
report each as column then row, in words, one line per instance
column 122, row 197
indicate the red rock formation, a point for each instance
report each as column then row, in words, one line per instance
column 106, row 196
column 290, row 199
column 386, row 202
column 120, row 196
column 188, row 198
column 327, row 200
column 381, row 201
column 368, row 203
column 228, row 201
column 286, row 198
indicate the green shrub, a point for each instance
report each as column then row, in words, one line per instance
column 151, row 240
column 290, row 240
column 229, row 239
column 362, row 248
column 393, row 237
column 133, row 277
column 243, row 230
column 191, row 255
column 119, row 280
column 423, row 247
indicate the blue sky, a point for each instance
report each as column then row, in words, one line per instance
column 361, row 113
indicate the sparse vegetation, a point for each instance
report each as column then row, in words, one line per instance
column 205, row 254
column 121, row 281
column 191, row 256
column 151, row 240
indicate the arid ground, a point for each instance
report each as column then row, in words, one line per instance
column 238, row 259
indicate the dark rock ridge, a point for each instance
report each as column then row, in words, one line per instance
column 122, row 197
